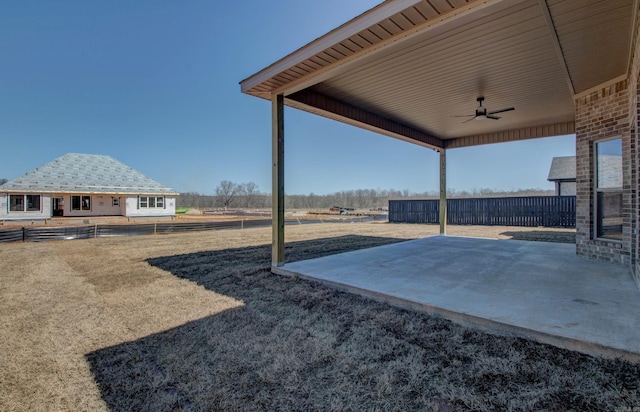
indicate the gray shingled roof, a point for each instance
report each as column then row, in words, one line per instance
column 562, row 168
column 85, row 173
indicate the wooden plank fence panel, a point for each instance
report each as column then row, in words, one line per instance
column 531, row 211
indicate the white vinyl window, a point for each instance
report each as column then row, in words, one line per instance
column 151, row 202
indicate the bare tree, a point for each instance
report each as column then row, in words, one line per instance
column 226, row 193
column 249, row 192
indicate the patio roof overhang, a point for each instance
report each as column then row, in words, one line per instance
column 413, row 69
column 407, row 68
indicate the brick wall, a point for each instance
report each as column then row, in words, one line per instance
column 634, row 105
column 603, row 114
column 635, row 268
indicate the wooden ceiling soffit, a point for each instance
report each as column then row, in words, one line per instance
column 381, row 27
column 320, row 104
column 556, row 129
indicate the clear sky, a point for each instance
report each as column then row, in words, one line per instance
column 155, row 85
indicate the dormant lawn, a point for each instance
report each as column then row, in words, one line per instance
column 197, row 322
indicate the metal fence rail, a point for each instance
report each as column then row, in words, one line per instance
column 124, row 230
column 11, row 235
column 531, row 211
column 38, row 234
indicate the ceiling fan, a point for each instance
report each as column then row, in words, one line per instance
column 482, row 113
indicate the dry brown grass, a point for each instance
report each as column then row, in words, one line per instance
column 197, row 322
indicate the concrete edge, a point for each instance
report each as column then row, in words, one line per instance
column 475, row 322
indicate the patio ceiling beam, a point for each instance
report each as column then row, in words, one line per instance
column 556, row 44
column 549, row 130
column 320, row 104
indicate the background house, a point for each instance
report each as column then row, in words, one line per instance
column 563, row 174
column 77, row 185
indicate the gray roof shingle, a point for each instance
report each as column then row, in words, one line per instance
column 562, row 168
column 86, row 173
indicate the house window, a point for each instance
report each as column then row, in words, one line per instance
column 22, row 203
column 16, row 203
column 115, row 201
column 155, row 202
column 33, row 203
column 608, row 190
column 80, row 202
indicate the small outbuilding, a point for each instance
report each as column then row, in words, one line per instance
column 84, row 185
column 563, row 174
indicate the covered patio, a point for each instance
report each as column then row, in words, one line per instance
column 458, row 73
column 538, row 290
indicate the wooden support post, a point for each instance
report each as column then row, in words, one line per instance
column 443, row 192
column 277, row 179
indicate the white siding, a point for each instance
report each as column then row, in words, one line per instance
column 43, row 213
column 132, row 208
column 567, row 188
column 101, row 205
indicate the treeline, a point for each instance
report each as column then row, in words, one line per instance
column 359, row 199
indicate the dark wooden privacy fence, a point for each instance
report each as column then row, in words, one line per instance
column 547, row 211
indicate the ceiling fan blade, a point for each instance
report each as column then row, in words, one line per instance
column 464, row 115
column 468, row 120
column 508, row 109
column 490, row 116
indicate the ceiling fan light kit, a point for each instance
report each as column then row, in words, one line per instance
column 483, row 114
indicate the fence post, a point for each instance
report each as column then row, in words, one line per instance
column 443, row 192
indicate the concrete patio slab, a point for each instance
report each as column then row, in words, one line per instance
column 537, row 290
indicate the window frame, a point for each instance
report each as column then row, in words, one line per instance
column 151, row 202
column 34, row 199
column 23, row 200
column 78, row 203
column 597, row 190
column 19, row 200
